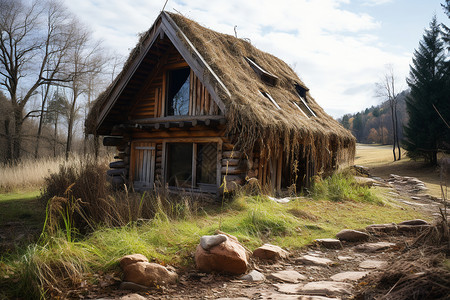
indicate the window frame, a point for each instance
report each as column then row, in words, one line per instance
column 203, row 187
column 165, row 84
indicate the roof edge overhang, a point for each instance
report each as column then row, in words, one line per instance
column 165, row 25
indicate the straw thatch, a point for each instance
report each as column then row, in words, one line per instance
column 252, row 120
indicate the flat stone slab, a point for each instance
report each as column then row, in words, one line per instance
column 327, row 288
column 344, row 258
column 209, row 241
column 132, row 297
column 373, row 264
column 131, row 286
column 288, row 276
column 253, row 276
column 268, row 251
column 374, row 247
column 314, row 260
column 352, row 235
column 293, row 296
column 349, row 276
column 414, row 222
column 289, row 288
column 330, row 243
column 382, row 227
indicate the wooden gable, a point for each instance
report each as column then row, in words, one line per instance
column 139, row 92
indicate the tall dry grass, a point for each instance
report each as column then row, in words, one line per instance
column 30, row 174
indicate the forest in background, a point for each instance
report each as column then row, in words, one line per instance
column 374, row 125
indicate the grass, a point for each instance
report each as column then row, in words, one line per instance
column 29, row 174
column 63, row 257
column 21, row 217
column 379, row 160
column 57, row 262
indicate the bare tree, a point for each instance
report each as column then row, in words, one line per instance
column 32, row 38
column 85, row 63
column 387, row 90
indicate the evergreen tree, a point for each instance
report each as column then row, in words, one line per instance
column 427, row 105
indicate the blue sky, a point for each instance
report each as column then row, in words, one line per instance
column 339, row 48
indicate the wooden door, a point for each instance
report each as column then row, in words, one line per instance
column 144, row 165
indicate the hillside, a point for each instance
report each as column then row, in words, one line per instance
column 374, row 124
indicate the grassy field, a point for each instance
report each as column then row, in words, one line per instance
column 61, row 260
column 380, row 161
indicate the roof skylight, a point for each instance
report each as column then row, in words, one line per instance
column 268, row 96
column 265, row 76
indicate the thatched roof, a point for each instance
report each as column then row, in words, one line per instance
column 252, row 117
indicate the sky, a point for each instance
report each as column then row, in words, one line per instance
column 339, row 48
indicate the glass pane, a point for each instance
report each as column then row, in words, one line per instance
column 207, row 163
column 179, row 164
column 178, row 92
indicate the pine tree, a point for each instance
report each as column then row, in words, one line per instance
column 427, row 105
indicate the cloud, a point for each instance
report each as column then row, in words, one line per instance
column 333, row 50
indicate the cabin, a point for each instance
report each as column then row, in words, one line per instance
column 200, row 111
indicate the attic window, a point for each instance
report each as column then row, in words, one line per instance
column 301, row 110
column 265, row 76
column 267, row 95
column 178, row 92
column 302, row 105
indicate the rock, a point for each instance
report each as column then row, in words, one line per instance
column 373, row 264
column 131, row 259
column 133, row 297
column 288, row 276
column 227, row 257
column 365, row 181
column 412, row 228
column 313, row 260
column 327, row 288
column 414, row 222
column 253, row 276
column 352, row 235
column 292, row 291
column 131, row 286
column 382, row 227
column 238, row 298
column 374, row 247
column 268, row 251
column 349, row 276
column 288, row 288
column 344, row 258
column 149, row 274
column 361, row 170
column 209, row 241
column 330, row 243
column 280, row 200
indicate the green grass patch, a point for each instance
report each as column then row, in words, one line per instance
column 342, row 187
column 21, row 207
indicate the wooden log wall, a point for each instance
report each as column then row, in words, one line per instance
column 201, row 102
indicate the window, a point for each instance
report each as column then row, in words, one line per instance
column 265, row 76
column 302, row 105
column 179, row 164
column 267, row 95
column 181, row 172
column 206, row 163
column 178, row 92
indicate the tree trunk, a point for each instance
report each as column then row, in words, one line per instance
column 8, row 157
column 393, row 129
column 396, row 132
column 69, row 135
column 17, row 135
column 41, row 121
